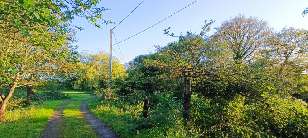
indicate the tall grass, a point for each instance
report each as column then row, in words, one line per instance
column 127, row 120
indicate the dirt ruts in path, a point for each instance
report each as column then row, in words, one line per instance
column 101, row 129
column 52, row 130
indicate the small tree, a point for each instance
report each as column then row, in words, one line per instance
column 144, row 78
column 183, row 60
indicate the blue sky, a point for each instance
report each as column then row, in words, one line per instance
column 278, row 14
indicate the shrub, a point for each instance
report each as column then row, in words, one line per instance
column 16, row 102
column 283, row 117
column 206, row 114
column 272, row 116
column 49, row 95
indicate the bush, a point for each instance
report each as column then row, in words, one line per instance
column 272, row 116
column 283, row 117
column 240, row 119
column 206, row 114
column 17, row 102
column 49, row 95
column 165, row 119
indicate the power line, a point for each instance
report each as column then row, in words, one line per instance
column 117, row 49
column 128, row 15
column 110, row 40
column 158, row 22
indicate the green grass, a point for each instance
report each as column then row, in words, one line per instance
column 74, row 125
column 127, row 121
column 27, row 122
column 75, row 93
column 122, row 122
column 30, row 122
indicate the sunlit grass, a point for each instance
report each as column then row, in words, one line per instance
column 122, row 122
column 28, row 122
column 74, row 124
column 74, row 92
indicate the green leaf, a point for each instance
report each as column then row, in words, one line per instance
column 28, row 3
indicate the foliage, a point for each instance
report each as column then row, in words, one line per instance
column 17, row 103
column 243, row 36
column 35, row 41
column 126, row 120
column 92, row 72
column 20, row 100
column 49, row 95
column 286, row 117
column 245, row 80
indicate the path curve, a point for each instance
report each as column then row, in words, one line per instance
column 54, row 123
column 101, row 129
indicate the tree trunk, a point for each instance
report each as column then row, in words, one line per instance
column 146, row 105
column 2, row 110
column 1, row 97
column 6, row 99
column 30, row 93
column 186, row 99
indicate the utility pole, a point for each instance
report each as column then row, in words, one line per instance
column 110, row 57
column 110, row 43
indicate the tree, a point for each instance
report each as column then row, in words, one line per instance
column 183, row 60
column 92, row 72
column 243, row 36
column 35, row 40
column 287, row 58
column 231, row 51
column 289, row 45
column 23, row 64
column 145, row 80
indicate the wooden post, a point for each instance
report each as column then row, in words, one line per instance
column 146, row 105
column 110, row 58
column 186, row 99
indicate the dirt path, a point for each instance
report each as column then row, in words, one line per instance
column 54, row 123
column 101, row 129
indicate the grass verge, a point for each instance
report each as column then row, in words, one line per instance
column 120, row 121
column 74, row 124
column 27, row 122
